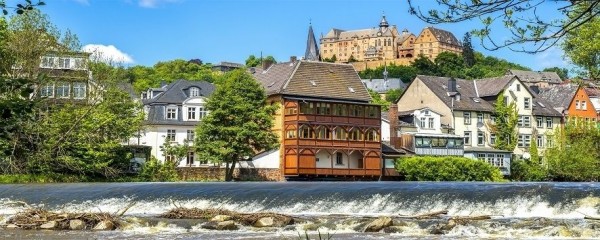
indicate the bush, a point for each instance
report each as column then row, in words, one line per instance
column 447, row 169
column 522, row 170
column 156, row 171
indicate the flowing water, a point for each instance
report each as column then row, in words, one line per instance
column 340, row 209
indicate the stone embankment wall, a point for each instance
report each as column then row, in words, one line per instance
column 360, row 66
column 218, row 173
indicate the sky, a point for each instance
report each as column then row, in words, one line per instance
column 144, row 32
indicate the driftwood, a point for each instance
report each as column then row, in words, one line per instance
column 34, row 218
column 243, row 218
column 435, row 214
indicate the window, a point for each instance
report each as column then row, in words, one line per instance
column 583, row 105
column 372, row 135
column 191, row 113
column 355, row 135
column 63, row 89
column 524, row 140
column 306, row 108
column 372, row 112
column 524, row 121
column 427, row 113
column 480, row 138
column 323, row 109
column 490, row 158
column 194, row 92
column 339, row 110
column 306, row 132
column 481, row 156
column 549, row 122
column 467, row 138
column 323, row 133
column 493, row 139
column 540, row 122
column 64, row 63
column 191, row 135
column 499, row 160
column 479, row 117
column 291, row 111
column 422, row 122
column 356, row 111
column 527, row 103
column 549, row 141
column 339, row 158
column 339, row 134
column 290, row 134
column 492, row 118
column 48, row 62
column 518, row 87
column 577, row 104
column 172, row 113
column 47, row 91
column 540, row 141
column 467, row 117
column 170, row 158
column 423, row 142
column 190, row 158
column 202, row 112
column 430, row 123
column 170, row 135
column 79, row 91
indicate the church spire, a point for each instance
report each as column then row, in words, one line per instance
column 312, row 49
column 383, row 23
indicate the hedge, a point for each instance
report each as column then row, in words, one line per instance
column 429, row 168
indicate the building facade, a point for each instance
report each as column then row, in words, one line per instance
column 571, row 100
column 325, row 124
column 69, row 78
column 467, row 107
column 536, row 80
column 172, row 113
column 385, row 42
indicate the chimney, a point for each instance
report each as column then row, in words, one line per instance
column 293, row 59
column 452, row 85
column 266, row 63
column 393, row 117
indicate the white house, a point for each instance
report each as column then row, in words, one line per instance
column 172, row 113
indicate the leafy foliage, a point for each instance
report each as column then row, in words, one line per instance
column 166, row 72
column 157, row 171
column 524, row 170
column 393, row 95
column 429, row 168
column 563, row 73
column 376, row 99
column 239, row 123
column 21, row 8
column 528, row 29
column 583, row 48
column 575, row 155
column 468, row 53
column 505, row 124
column 253, row 61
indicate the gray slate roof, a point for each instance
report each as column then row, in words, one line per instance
column 178, row 91
column 380, row 86
column 313, row 79
column 472, row 91
column 534, row 77
column 559, row 96
column 174, row 94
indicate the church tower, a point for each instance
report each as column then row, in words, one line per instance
column 312, row 49
column 383, row 25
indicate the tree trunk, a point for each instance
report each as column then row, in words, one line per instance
column 229, row 170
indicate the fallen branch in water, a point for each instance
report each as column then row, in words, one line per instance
column 243, row 218
column 588, row 217
column 122, row 212
column 435, row 214
column 35, row 218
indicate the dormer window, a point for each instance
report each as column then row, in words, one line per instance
column 171, row 113
column 64, row 63
column 194, row 92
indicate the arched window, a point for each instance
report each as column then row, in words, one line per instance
column 194, row 92
column 323, row 133
column 372, row 135
column 290, row 133
column 355, row 135
column 306, row 132
column 339, row 134
column 389, row 42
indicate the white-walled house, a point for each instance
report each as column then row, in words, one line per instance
column 172, row 113
column 467, row 107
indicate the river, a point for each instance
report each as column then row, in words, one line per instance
column 518, row 210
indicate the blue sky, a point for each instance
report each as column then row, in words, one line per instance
column 148, row 31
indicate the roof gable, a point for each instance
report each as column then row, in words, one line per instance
column 176, row 92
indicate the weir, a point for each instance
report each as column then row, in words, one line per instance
column 341, row 207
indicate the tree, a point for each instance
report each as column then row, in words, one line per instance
column 505, row 124
column 468, row 53
column 21, row 8
column 352, row 59
column 574, row 155
column 449, row 64
column 563, row 73
column 239, row 123
column 175, row 150
column 393, row 95
column 425, row 66
column 533, row 150
column 583, row 48
column 533, row 32
column 253, row 61
column 376, row 99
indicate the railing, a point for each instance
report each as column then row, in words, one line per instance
column 334, row 119
column 333, row 171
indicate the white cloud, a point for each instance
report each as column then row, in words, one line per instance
column 552, row 57
column 154, row 3
column 107, row 53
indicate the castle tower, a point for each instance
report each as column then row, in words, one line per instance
column 312, row 49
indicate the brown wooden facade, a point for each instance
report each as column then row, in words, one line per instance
column 330, row 139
